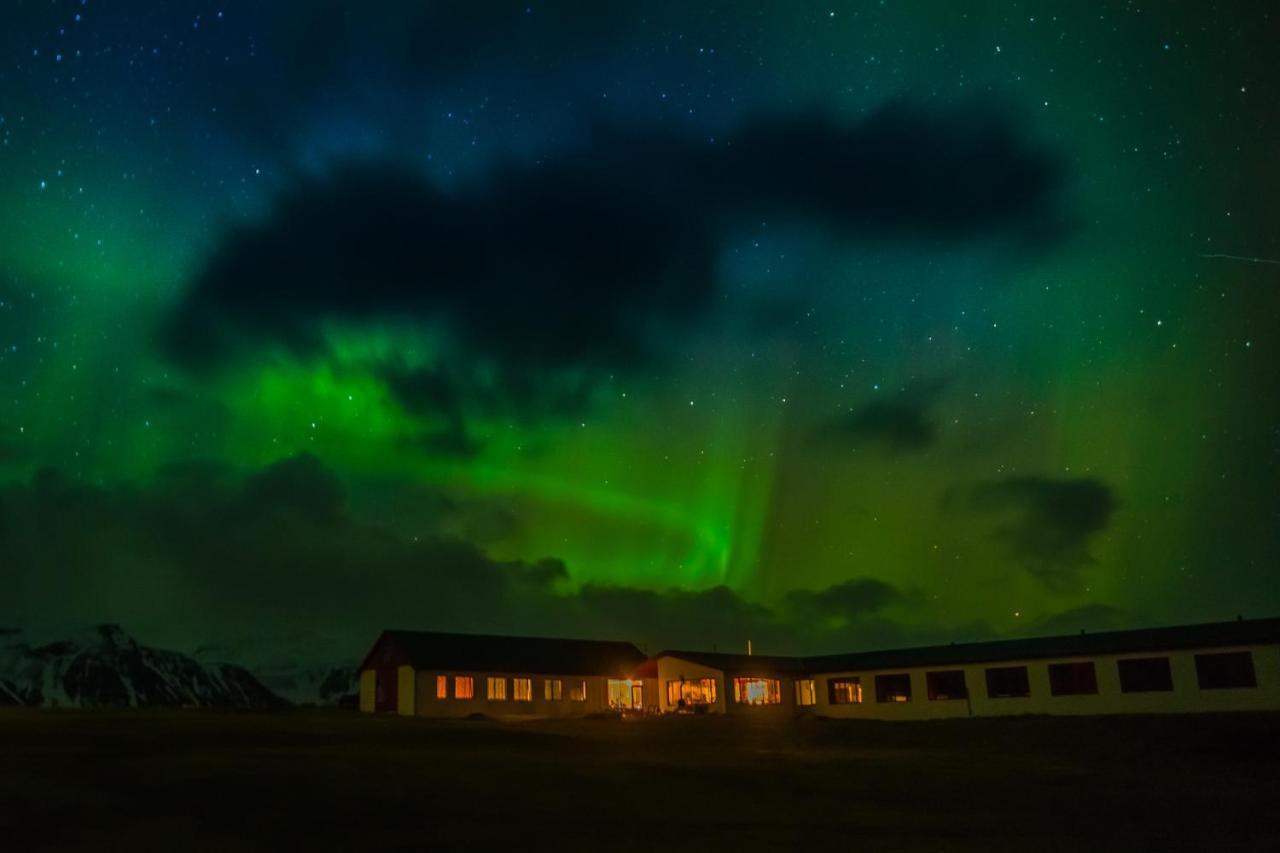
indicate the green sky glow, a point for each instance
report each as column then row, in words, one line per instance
column 976, row 380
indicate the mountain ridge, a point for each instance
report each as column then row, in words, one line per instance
column 105, row 666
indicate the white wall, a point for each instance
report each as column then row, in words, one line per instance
column 1186, row 695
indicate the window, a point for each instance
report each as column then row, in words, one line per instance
column 1145, row 675
column 699, row 692
column 624, row 694
column 844, row 691
column 1008, row 682
column 497, row 688
column 553, row 688
column 464, row 687
column 1225, row 669
column 806, row 693
column 945, row 684
column 893, row 688
column 442, row 687
column 757, row 691
column 577, row 691
column 522, row 689
column 1073, row 679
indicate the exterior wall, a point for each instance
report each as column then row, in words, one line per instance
column 368, row 678
column 1186, row 695
column 427, row 705
column 405, row 698
column 677, row 669
column 416, row 691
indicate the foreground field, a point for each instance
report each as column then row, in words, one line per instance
column 325, row 780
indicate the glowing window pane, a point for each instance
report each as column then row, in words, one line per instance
column 497, row 688
column 623, row 694
column 845, row 691
column 464, row 687
column 442, row 687
column 757, row 691
column 700, row 692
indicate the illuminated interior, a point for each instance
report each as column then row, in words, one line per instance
column 464, row 687
column 625, row 694
column 442, row 687
column 578, row 691
column 806, row 692
column 522, row 689
column 497, row 688
column 844, row 691
column 681, row 693
column 757, row 691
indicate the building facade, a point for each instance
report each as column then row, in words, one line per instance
column 1228, row 666
column 717, row 683
column 430, row 674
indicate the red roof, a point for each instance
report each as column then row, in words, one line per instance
column 648, row 669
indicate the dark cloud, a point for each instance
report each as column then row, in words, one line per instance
column 587, row 260
column 902, row 172
column 280, row 551
column 899, row 423
column 278, row 547
column 542, row 270
column 1086, row 617
column 1048, row 523
column 432, row 395
column 843, row 602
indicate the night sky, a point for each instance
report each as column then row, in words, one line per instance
column 833, row 326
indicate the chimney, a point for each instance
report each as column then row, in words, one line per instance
column 748, row 648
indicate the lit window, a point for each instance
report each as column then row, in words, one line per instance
column 757, row 691
column 553, row 688
column 464, row 687
column 1008, row 682
column 522, row 689
column 497, row 688
column 806, row 693
column 442, row 687
column 945, row 684
column 681, row 693
column 577, row 691
column 893, row 688
column 1073, row 679
column 624, row 694
column 1225, row 669
column 844, row 691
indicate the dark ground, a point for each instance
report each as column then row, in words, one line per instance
column 309, row 780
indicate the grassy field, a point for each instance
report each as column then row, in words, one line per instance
column 307, row 780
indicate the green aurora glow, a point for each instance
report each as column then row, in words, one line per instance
column 1117, row 355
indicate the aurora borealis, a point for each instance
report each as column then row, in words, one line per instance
column 832, row 325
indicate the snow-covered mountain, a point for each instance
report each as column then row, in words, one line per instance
column 311, row 685
column 104, row 666
column 305, row 669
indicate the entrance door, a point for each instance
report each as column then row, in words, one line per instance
column 386, row 690
column 637, row 696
